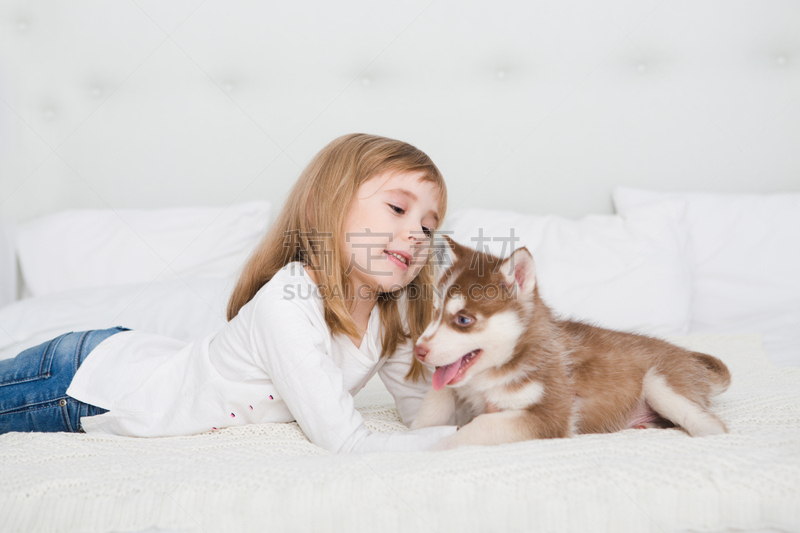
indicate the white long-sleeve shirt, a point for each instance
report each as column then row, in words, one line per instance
column 276, row 361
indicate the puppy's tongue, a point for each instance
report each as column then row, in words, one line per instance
column 445, row 374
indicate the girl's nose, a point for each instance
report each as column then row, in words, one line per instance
column 417, row 236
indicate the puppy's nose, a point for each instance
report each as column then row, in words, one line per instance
column 420, row 351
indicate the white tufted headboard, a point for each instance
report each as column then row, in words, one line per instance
column 540, row 107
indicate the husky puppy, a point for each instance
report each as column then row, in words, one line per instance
column 510, row 370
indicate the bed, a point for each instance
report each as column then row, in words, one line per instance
column 270, row 476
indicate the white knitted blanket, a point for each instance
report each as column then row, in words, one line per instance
column 271, row 478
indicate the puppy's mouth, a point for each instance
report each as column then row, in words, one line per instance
column 454, row 372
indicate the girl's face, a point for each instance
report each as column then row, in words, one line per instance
column 392, row 213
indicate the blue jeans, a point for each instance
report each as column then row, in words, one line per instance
column 33, row 385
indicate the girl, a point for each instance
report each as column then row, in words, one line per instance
column 335, row 292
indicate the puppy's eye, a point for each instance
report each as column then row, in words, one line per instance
column 464, row 320
column 427, row 231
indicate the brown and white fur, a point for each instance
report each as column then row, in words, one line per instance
column 533, row 375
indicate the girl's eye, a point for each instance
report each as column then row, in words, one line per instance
column 463, row 320
column 400, row 211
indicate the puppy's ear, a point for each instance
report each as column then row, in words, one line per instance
column 519, row 270
column 445, row 253
column 456, row 250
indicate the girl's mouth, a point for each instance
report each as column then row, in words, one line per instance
column 397, row 259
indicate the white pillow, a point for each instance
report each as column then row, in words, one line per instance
column 103, row 247
column 183, row 309
column 746, row 250
column 629, row 273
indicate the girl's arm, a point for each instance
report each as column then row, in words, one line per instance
column 407, row 395
column 309, row 382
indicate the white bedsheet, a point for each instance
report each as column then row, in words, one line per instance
column 270, row 477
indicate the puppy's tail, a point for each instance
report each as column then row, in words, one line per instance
column 718, row 374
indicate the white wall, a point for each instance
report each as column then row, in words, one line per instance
column 536, row 106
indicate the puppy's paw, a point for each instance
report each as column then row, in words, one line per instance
column 710, row 427
column 417, row 423
column 426, row 419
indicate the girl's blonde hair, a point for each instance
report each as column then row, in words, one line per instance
column 311, row 224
